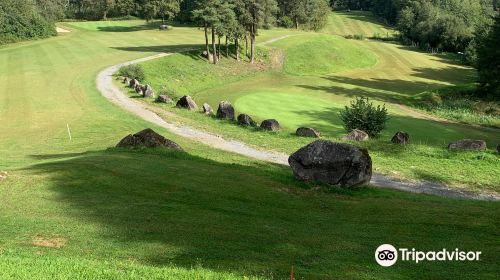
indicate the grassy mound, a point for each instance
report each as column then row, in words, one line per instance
column 187, row 73
column 322, row 54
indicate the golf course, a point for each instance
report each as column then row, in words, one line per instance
column 73, row 206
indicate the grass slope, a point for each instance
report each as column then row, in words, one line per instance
column 357, row 23
column 75, row 210
column 322, row 54
column 304, row 94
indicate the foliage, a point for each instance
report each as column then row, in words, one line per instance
column 363, row 115
column 308, row 14
column 132, row 71
column 461, row 104
column 21, row 20
column 489, row 62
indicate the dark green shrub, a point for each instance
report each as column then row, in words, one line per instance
column 20, row 20
column 363, row 115
column 132, row 71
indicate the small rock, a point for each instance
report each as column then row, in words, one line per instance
column 187, row 102
column 147, row 138
column 207, row 109
column 164, row 27
column 147, row 91
column 307, row 132
column 163, row 98
column 126, row 80
column 225, row 111
column 271, row 125
column 246, row 120
column 132, row 83
column 401, row 137
column 468, row 144
column 336, row 164
column 356, row 135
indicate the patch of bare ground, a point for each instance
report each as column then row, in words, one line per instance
column 49, row 242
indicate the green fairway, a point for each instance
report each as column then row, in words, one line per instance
column 357, row 23
column 71, row 208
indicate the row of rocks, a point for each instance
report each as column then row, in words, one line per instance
column 403, row 138
column 226, row 111
column 144, row 90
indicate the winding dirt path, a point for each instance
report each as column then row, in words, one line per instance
column 114, row 94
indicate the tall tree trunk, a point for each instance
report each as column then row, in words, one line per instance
column 214, row 49
column 227, row 47
column 246, row 45
column 105, row 16
column 237, row 45
column 206, row 42
column 296, row 23
column 252, row 44
column 218, row 48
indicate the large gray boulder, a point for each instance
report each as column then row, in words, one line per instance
column 356, row 135
column 336, row 164
column 147, row 138
column 307, row 132
column 271, row 125
column 147, row 91
column 225, row 111
column 187, row 102
column 468, row 144
column 401, row 138
column 246, row 120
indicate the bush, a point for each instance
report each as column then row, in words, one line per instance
column 20, row 20
column 363, row 115
column 132, row 71
column 286, row 22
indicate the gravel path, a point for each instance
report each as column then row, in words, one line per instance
column 111, row 92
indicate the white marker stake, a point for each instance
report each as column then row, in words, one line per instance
column 69, row 132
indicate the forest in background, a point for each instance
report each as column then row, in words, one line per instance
column 458, row 26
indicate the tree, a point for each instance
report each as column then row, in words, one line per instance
column 207, row 16
column 489, row 62
column 125, row 7
column 22, row 20
column 254, row 15
column 311, row 14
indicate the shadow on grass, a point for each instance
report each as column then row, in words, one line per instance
column 185, row 210
column 406, row 88
column 153, row 25
column 188, row 49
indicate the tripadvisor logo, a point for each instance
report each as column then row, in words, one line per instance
column 387, row 255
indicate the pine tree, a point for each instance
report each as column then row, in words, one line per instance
column 489, row 62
